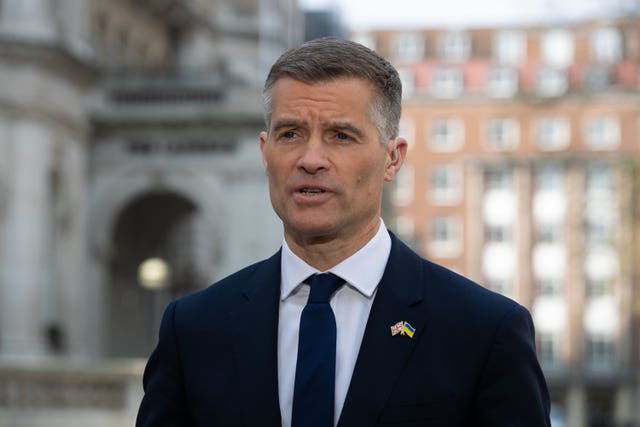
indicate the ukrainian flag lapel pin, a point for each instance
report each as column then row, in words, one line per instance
column 403, row 328
column 408, row 329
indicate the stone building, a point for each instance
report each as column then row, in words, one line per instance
column 128, row 131
column 523, row 174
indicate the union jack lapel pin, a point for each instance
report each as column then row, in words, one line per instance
column 403, row 328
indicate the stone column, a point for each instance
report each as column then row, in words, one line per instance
column 31, row 19
column 576, row 406
column 25, row 241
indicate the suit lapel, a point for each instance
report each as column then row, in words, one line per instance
column 382, row 357
column 255, row 333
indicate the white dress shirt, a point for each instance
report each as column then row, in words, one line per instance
column 351, row 305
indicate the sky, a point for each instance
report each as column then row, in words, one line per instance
column 365, row 14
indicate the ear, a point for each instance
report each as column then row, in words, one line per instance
column 263, row 148
column 396, row 153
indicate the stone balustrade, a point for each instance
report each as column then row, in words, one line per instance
column 61, row 392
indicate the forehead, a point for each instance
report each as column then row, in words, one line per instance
column 343, row 96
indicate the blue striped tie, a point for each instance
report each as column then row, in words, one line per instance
column 313, row 395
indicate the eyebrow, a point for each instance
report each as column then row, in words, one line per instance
column 337, row 125
column 346, row 126
column 287, row 123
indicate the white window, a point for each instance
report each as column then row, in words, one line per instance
column 502, row 82
column 551, row 82
column 405, row 226
column 408, row 131
column 605, row 45
column 509, row 47
column 503, row 134
column 403, row 192
column 602, row 133
column 447, row 82
column 445, row 184
column 445, row 237
column 407, row 78
column 365, row 39
column 557, row 48
column 446, row 134
column 408, row 47
column 552, row 133
column 454, row 46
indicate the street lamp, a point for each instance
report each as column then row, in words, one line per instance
column 154, row 274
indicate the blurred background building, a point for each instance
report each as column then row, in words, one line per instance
column 130, row 174
column 128, row 133
column 524, row 175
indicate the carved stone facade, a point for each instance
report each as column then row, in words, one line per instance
column 128, row 130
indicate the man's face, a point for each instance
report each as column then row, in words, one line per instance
column 325, row 161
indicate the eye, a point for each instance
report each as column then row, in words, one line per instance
column 342, row 136
column 289, row 134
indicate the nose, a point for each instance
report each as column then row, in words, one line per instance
column 313, row 158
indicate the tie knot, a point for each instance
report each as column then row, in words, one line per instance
column 323, row 285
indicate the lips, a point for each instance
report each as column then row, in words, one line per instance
column 311, row 191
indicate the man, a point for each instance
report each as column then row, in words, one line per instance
column 402, row 342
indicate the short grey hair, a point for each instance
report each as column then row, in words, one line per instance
column 326, row 59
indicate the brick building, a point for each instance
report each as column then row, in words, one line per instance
column 523, row 174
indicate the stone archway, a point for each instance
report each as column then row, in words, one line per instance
column 159, row 225
column 112, row 196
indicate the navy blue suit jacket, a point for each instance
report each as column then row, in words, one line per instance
column 471, row 361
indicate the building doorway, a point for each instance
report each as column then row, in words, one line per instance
column 159, row 226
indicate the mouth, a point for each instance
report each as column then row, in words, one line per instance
column 311, row 191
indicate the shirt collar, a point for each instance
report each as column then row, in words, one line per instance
column 373, row 255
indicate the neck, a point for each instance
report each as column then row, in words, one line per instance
column 325, row 252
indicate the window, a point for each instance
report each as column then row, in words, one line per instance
column 605, row 45
column 557, row 48
column 445, row 237
column 549, row 177
column 502, row 82
column 602, row 133
column 365, row 39
column 447, row 82
column 551, row 82
column 445, row 184
column 509, row 47
column 496, row 233
column 500, row 286
column 549, row 286
column 600, row 351
column 548, row 233
column 407, row 79
column 497, row 178
column 599, row 179
column 405, row 227
column 596, row 287
column 552, row 133
column 407, row 130
column 454, row 46
column 598, row 232
column 446, row 134
column 403, row 192
column 408, row 47
column 598, row 77
column 503, row 134
column 548, row 349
